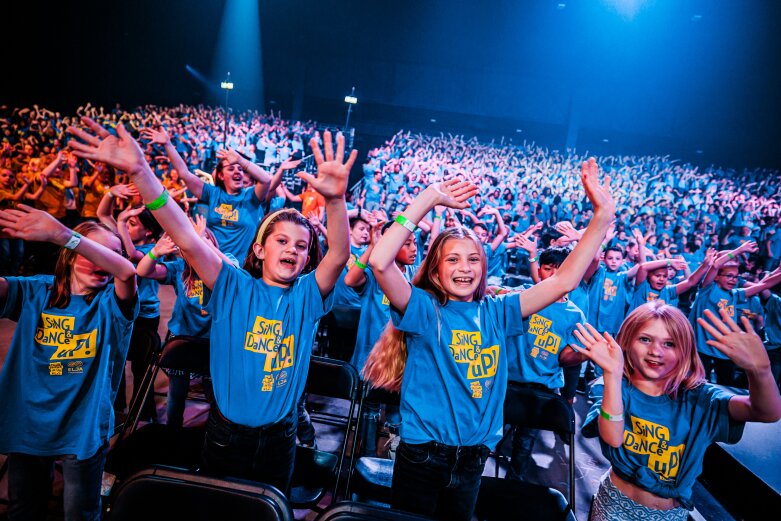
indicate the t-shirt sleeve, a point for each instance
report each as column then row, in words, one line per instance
column 208, row 193
column 506, row 310
column 316, row 304
column 714, row 401
column 231, row 287
column 368, row 286
column 420, row 315
column 173, row 270
column 12, row 306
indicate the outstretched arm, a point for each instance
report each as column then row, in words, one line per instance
column 260, row 176
column 571, row 272
column 695, row 278
column 161, row 137
column 331, row 182
column 607, row 354
column 453, row 194
column 745, row 348
column 122, row 152
column 30, row 224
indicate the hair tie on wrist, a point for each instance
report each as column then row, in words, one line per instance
column 361, row 265
column 611, row 417
column 73, row 241
column 159, row 202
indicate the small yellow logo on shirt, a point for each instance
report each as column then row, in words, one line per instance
column 227, row 212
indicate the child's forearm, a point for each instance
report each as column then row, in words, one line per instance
column 384, row 254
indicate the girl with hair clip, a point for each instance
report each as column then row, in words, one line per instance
column 264, row 316
column 63, row 368
column 658, row 415
column 453, row 382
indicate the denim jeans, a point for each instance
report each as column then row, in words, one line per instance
column 30, row 485
column 306, row 431
column 438, row 480
column 264, row 454
column 522, row 448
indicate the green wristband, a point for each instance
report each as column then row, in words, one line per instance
column 731, row 257
column 152, row 255
column 159, row 202
column 611, row 417
column 533, row 259
column 361, row 265
column 411, row 226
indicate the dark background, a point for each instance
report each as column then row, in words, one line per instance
column 696, row 79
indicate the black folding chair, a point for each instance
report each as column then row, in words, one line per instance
column 535, row 409
column 354, row 511
column 316, row 471
column 372, row 476
column 165, row 493
column 180, row 353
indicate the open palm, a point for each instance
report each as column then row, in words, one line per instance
column 121, row 151
column 332, row 171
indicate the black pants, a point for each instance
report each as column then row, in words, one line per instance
column 266, row 454
column 438, row 480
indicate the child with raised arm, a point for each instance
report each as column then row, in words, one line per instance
column 651, row 281
column 63, row 368
column 656, row 396
column 453, row 383
column 264, row 317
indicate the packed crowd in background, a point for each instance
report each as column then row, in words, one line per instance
column 552, row 264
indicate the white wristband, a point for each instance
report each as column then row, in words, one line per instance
column 73, row 241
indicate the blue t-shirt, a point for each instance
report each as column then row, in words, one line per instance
column 534, row 357
column 644, row 294
column 609, row 294
column 665, row 440
column 233, row 218
column 261, row 341
column 62, row 370
column 148, row 291
column 714, row 298
column 495, row 260
column 189, row 316
column 454, row 383
column 344, row 295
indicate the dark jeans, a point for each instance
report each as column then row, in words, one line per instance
column 522, row 448
column 438, row 480
column 306, row 431
column 264, row 454
column 30, row 485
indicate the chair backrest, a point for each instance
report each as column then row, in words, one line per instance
column 165, row 493
column 332, row 378
column 538, row 409
column 355, row 511
column 541, row 409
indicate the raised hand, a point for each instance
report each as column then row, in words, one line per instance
column 567, row 230
column 679, row 264
column 120, row 151
column 290, row 164
column 164, row 246
column 313, row 218
column 199, row 225
column 123, row 191
column 160, row 136
column 600, row 349
column 332, row 171
column 453, row 193
column 598, row 194
column 229, row 155
column 749, row 247
column 742, row 346
column 526, row 243
column 129, row 212
column 25, row 222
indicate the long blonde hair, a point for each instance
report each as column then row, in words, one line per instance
column 385, row 365
column 689, row 372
